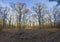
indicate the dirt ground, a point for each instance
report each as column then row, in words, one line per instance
column 28, row 35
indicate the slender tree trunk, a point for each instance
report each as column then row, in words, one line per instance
column 54, row 21
column 17, row 21
column 9, row 23
column 39, row 19
column 55, row 15
column 20, row 20
column 3, row 23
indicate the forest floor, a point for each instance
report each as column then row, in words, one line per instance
column 29, row 35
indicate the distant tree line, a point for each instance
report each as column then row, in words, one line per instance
column 20, row 16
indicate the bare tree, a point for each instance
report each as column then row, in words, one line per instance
column 38, row 9
column 56, row 16
column 18, row 7
column 1, row 14
column 54, row 12
column 5, row 13
column 34, row 19
column 25, row 14
column 54, row 9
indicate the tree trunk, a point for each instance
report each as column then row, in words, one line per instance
column 20, row 20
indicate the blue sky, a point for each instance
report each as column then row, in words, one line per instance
column 29, row 3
